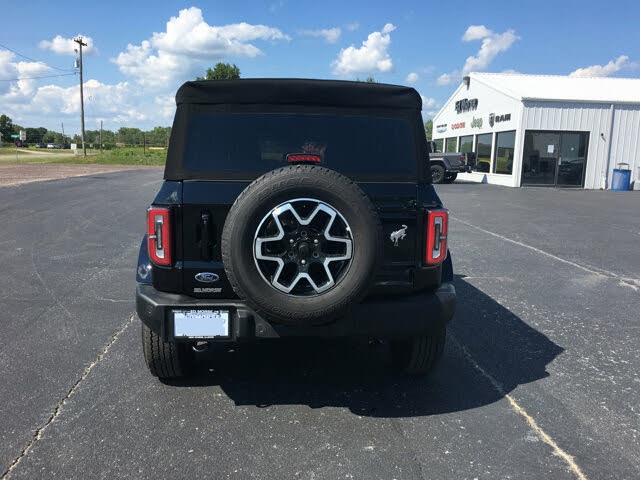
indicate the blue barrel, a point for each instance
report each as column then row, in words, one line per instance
column 621, row 179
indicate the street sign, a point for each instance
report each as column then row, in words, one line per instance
column 15, row 136
column 23, row 135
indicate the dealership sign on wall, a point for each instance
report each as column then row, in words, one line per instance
column 466, row 105
column 493, row 118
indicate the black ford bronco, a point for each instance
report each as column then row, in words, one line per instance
column 295, row 208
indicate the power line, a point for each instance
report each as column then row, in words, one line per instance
column 35, row 78
column 36, row 61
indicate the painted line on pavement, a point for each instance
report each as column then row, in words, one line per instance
column 633, row 283
column 522, row 412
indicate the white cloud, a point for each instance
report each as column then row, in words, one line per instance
column 449, row 78
column 122, row 104
column 476, row 32
column 371, row 57
column 428, row 103
column 155, row 70
column 100, row 99
column 331, row 35
column 167, row 105
column 492, row 44
column 158, row 64
column 352, row 27
column 21, row 75
column 66, row 46
column 8, row 70
column 430, row 106
column 412, row 78
column 602, row 70
column 181, row 51
column 28, row 72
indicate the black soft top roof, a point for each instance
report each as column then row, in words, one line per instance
column 287, row 91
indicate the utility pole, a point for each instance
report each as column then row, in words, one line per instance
column 78, row 40
column 100, row 136
column 63, row 141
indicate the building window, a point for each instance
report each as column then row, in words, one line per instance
column 466, row 143
column 439, row 143
column 484, row 152
column 505, row 146
column 451, row 145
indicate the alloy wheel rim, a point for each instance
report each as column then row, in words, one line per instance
column 303, row 247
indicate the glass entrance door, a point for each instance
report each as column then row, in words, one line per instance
column 573, row 159
column 555, row 159
column 540, row 158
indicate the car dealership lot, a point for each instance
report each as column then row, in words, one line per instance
column 539, row 378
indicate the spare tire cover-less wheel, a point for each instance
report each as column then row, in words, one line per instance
column 301, row 245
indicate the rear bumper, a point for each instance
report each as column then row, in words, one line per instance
column 459, row 169
column 382, row 317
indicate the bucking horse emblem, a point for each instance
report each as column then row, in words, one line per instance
column 398, row 235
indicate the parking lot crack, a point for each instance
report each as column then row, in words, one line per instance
column 37, row 436
column 545, row 437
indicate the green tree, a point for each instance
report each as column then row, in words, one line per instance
column 52, row 137
column 222, row 71
column 369, row 79
column 6, row 128
column 35, row 135
column 129, row 136
column 428, row 129
column 159, row 136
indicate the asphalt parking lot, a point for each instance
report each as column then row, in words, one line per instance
column 539, row 378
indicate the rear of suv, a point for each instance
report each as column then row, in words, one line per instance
column 295, row 208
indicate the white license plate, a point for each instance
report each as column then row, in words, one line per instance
column 200, row 323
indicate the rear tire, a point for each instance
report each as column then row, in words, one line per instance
column 418, row 356
column 450, row 178
column 166, row 359
column 437, row 173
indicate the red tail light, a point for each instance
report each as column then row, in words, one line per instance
column 159, row 235
column 436, row 236
column 303, row 157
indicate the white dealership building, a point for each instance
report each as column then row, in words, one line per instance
column 543, row 130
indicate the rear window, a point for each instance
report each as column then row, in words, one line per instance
column 257, row 143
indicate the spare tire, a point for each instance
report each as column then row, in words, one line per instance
column 301, row 245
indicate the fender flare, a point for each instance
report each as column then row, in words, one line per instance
column 447, row 268
column 442, row 162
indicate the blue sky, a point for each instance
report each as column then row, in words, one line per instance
column 142, row 51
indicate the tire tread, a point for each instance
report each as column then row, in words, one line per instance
column 165, row 359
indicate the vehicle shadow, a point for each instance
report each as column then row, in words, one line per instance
column 358, row 374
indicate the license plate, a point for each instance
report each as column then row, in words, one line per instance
column 200, row 323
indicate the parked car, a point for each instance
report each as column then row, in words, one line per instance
column 41, row 145
column 297, row 208
column 54, row 145
column 446, row 166
column 21, row 144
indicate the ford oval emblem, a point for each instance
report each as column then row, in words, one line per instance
column 207, row 277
